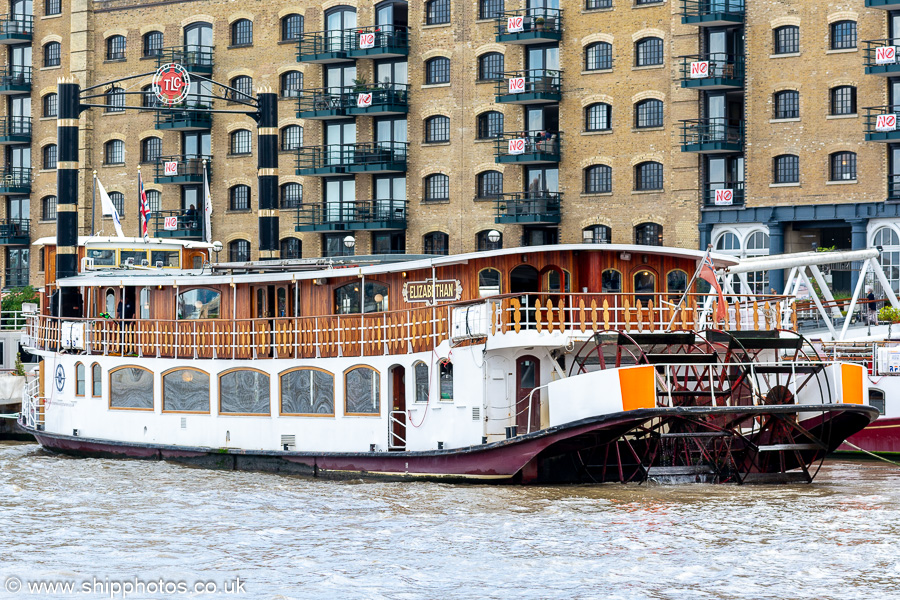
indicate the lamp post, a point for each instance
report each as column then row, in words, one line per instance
column 350, row 243
column 217, row 247
column 493, row 236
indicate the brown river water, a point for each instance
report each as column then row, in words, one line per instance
column 112, row 524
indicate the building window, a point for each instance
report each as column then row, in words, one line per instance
column 648, row 113
column 50, row 104
column 291, row 248
column 843, row 100
column 483, row 242
column 118, row 201
column 786, row 169
column 52, row 7
column 114, row 152
column 291, row 84
column 887, row 238
column 598, row 179
column 648, row 234
column 291, row 137
column 149, row 99
column 239, row 197
column 436, row 242
column 843, row 166
column 598, row 117
column 787, row 40
column 729, row 243
column 50, row 156
column 437, row 129
column 239, row 251
column 437, row 188
column 490, row 9
column 115, row 98
column 243, row 88
column 291, row 195
column 240, row 141
column 648, row 176
column 787, row 104
column 48, row 208
column 437, row 70
column 151, row 149
column 291, row 27
column 490, row 125
column 52, row 51
column 153, row 43
column 596, row 234
column 242, row 32
column 490, row 184
column 154, row 200
column 648, row 51
column 598, row 56
column 490, row 66
column 115, row 47
column 437, row 12
column 597, row 4
column 843, row 35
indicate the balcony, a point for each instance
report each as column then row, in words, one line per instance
column 537, row 86
column 320, row 47
column 893, row 188
column 15, row 181
column 181, row 169
column 177, row 224
column 722, row 195
column 15, row 278
column 15, row 232
column 527, row 147
column 196, row 59
column 15, row 130
column 380, row 41
column 16, row 29
column 369, row 157
column 528, row 207
column 883, row 4
column 712, row 13
column 712, row 71
column 880, row 58
column 531, row 26
column 351, row 216
column 328, row 103
column 880, row 123
column 15, row 80
column 710, row 136
column 184, row 120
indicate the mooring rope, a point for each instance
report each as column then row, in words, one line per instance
column 896, row 464
column 12, row 416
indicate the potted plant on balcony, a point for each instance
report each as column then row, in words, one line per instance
column 360, row 84
column 539, row 23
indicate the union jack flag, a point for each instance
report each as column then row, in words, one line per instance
column 145, row 209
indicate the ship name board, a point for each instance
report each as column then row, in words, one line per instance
column 432, row 290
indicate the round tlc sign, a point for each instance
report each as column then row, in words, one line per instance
column 171, row 84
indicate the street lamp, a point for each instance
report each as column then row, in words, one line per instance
column 350, row 242
column 217, row 247
column 493, row 236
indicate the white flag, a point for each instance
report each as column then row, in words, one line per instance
column 207, row 208
column 108, row 208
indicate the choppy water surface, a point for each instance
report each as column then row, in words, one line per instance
column 288, row 537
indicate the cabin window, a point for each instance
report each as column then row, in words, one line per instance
column 488, row 283
column 96, row 382
column 307, row 392
column 362, row 391
column 421, row 371
column 611, row 282
column 553, row 281
column 676, row 281
column 131, row 387
column 136, row 255
column 79, row 379
column 281, row 302
column 347, row 298
column 876, row 400
column 446, row 379
column 200, row 303
column 644, row 286
column 110, row 302
column 168, row 258
column 144, row 308
column 103, row 258
column 244, row 391
column 186, row 390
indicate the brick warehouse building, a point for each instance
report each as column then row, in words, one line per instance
column 619, row 142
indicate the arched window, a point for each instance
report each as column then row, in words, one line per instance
column 889, row 240
column 422, row 381
column 490, row 66
column 49, row 156
column 291, row 195
column 115, row 47
column 185, row 390
column 96, row 380
column 373, row 298
column 489, row 282
column 131, row 388
column 611, row 282
column 648, row 234
column 843, row 35
column 437, row 70
column 153, row 43
column 291, row 248
column 118, row 200
column 437, row 129
column 50, row 104
column 239, row 197
column 240, row 141
column 843, row 100
column 244, row 392
column 648, row 113
column 436, row 242
column 787, row 40
column 198, row 303
column 648, row 176
column 239, row 251
column 437, row 12
column 148, row 98
column 243, row 85
column 596, row 234
column 291, row 84
column 598, row 179
column 843, row 166
column 115, row 98
column 114, row 152
column 291, row 137
column 598, row 117
column 307, row 391
column 598, row 56
column 80, row 376
column 787, row 104
column 490, row 124
column 48, row 208
column 483, row 241
column 648, row 51
column 151, row 149
column 291, row 27
column 52, row 52
column 153, row 200
column 728, row 243
column 445, row 379
column 242, row 32
column 644, row 285
column 676, row 281
column 757, row 244
column 786, row 168
column 362, row 391
column 490, row 184
column 437, row 188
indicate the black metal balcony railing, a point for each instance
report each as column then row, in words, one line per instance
column 712, row 71
column 381, row 41
column 880, row 123
column 15, row 232
column 712, row 12
column 883, row 4
column 712, row 135
column 182, row 169
column 534, row 86
column 196, row 59
column 15, row 129
column 15, row 180
column 893, row 188
column 197, row 117
column 15, row 79
column 364, row 157
column 528, row 207
column 177, row 224
column 352, row 215
column 16, row 277
column 529, row 26
column 724, row 194
column 325, row 103
column 527, row 147
column 16, row 28
column 880, row 57
column 321, row 47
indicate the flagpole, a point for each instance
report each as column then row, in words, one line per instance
column 93, row 202
column 688, row 288
column 140, row 214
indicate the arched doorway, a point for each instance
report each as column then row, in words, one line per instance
column 528, row 401
column 397, row 420
column 526, row 280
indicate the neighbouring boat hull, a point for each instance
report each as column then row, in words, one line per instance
column 880, row 437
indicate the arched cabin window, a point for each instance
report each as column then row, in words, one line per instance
column 446, row 379
column 244, row 392
column 79, row 379
column 185, row 390
column 553, row 281
column 96, row 381
column 131, row 387
column 644, row 282
column 489, row 282
column 611, row 282
column 876, row 399
column 348, row 299
column 307, row 391
column 199, row 303
column 422, row 381
column 676, row 281
column 362, row 391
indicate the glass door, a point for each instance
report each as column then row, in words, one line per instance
column 390, row 196
column 336, row 21
column 339, row 139
column 18, row 207
column 340, row 194
column 715, row 115
column 20, row 63
column 21, row 8
column 20, row 115
column 894, row 176
column 894, row 27
column 198, row 39
column 195, row 144
column 392, row 72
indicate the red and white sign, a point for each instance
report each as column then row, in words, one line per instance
column 724, row 197
column 364, row 100
column 700, row 69
column 170, row 169
column 886, row 123
column 515, row 24
column 886, row 55
column 516, row 85
column 171, row 84
column 367, row 40
column 170, row 224
column 517, row 146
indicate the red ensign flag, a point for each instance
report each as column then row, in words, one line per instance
column 708, row 273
